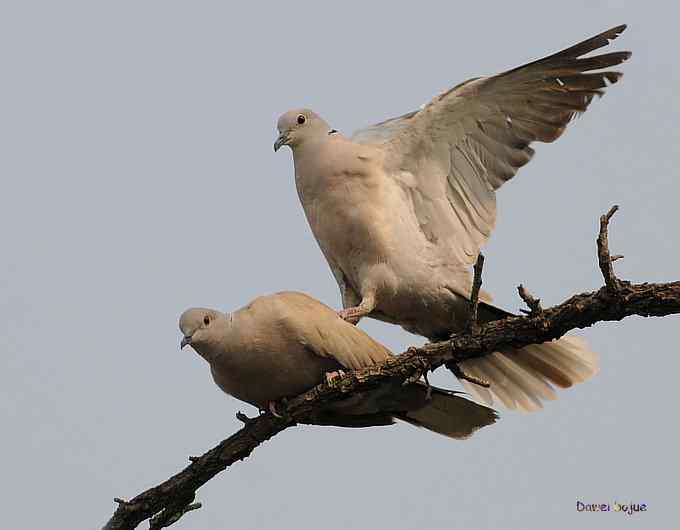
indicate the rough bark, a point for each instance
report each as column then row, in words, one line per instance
column 166, row 503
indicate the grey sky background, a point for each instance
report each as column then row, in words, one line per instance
column 138, row 179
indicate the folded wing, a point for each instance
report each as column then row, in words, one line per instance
column 321, row 331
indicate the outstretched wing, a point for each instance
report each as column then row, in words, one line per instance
column 456, row 151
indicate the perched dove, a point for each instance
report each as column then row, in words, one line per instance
column 402, row 208
column 283, row 344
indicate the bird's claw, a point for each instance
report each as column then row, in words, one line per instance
column 351, row 315
column 331, row 377
column 272, row 407
column 428, row 394
column 279, row 409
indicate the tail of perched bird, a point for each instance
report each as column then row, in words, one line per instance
column 448, row 413
column 435, row 409
column 523, row 378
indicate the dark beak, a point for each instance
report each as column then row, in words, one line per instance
column 186, row 341
column 281, row 141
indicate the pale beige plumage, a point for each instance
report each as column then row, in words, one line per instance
column 402, row 208
column 283, row 344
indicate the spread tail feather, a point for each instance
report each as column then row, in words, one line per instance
column 522, row 379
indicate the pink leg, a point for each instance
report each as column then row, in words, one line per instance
column 354, row 314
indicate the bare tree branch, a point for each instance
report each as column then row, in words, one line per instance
column 615, row 301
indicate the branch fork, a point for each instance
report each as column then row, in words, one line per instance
column 534, row 304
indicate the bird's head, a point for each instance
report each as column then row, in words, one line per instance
column 299, row 125
column 203, row 329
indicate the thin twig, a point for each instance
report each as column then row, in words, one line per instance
column 473, row 322
column 534, row 304
column 461, row 374
column 604, row 259
column 243, row 418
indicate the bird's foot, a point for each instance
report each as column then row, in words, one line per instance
column 331, row 377
column 365, row 308
column 352, row 314
column 428, row 395
column 272, row 406
column 279, row 409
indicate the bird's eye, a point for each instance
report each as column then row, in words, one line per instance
column 206, row 320
column 301, row 119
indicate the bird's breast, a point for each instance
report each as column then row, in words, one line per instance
column 344, row 214
column 262, row 374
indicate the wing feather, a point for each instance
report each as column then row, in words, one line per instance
column 467, row 142
column 321, row 331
